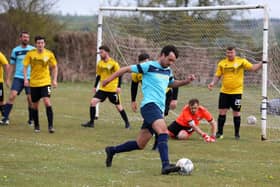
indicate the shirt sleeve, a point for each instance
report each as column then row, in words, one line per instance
column 247, row 65
column 219, row 69
column 207, row 115
column 3, row 59
column 13, row 57
column 53, row 61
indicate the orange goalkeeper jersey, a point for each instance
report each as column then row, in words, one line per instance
column 186, row 116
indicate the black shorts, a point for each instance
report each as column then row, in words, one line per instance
column 113, row 96
column 230, row 101
column 1, row 91
column 39, row 92
column 175, row 128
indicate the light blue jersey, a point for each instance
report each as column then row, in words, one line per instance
column 155, row 80
column 17, row 57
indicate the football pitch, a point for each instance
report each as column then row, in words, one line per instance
column 74, row 156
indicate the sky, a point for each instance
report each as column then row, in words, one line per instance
column 90, row 7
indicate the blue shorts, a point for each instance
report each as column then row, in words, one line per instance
column 18, row 85
column 150, row 113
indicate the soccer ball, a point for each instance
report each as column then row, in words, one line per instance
column 251, row 120
column 186, row 166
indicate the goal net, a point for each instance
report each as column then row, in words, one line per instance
column 202, row 35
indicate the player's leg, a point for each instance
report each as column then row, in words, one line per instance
column 35, row 98
column 140, row 143
column 2, row 105
column 17, row 87
column 236, row 107
column 99, row 96
column 173, row 130
column 153, row 115
column 224, row 103
column 155, row 142
column 115, row 99
column 29, row 103
column 46, row 94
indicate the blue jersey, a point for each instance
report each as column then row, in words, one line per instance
column 17, row 57
column 155, row 80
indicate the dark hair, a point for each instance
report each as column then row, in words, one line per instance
column 169, row 48
column 230, row 48
column 193, row 101
column 39, row 38
column 23, row 32
column 143, row 56
column 105, row 48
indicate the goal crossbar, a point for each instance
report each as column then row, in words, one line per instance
column 206, row 8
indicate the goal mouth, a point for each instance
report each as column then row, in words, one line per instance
column 201, row 34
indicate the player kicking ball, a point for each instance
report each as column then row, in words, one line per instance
column 156, row 77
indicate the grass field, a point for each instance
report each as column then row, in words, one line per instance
column 74, row 156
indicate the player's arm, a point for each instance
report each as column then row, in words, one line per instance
column 119, row 84
column 7, row 73
column 54, row 75
column 97, row 79
column 118, row 73
column 213, row 82
column 173, row 102
column 256, row 67
column 213, row 127
column 178, row 83
column 26, row 83
column 11, row 71
column 133, row 92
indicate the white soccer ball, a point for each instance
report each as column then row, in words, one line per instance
column 251, row 120
column 186, row 166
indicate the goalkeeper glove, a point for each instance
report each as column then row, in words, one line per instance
column 206, row 137
column 212, row 139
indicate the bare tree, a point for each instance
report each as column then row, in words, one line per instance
column 26, row 15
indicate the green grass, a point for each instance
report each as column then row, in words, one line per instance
column 74, row 156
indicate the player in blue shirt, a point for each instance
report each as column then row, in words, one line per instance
column 156, row 77
column 17, row 57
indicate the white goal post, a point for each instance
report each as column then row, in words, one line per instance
column 151, row 10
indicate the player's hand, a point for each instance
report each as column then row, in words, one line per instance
column 93, row 90
column 26, row 83
column 105, row 82
column 54, row 83
column 134, row 106
column 212, row 139
column 118, row 90
column 173, row 104
column 210, row 86
column 191, row 77
column 206, row 137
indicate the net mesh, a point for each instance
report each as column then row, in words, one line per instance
column 202, row 39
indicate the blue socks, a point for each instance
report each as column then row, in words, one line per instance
column 163, row 149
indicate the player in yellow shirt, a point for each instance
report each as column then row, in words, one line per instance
column 41, row 60
column 3, row 63
column 231, row 71
column 105, row 68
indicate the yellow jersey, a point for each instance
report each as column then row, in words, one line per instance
column 3, row 61
column 105, row 70
column 232, row 73
column 40, row 64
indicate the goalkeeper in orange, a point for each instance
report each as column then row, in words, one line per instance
column 188, row 122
